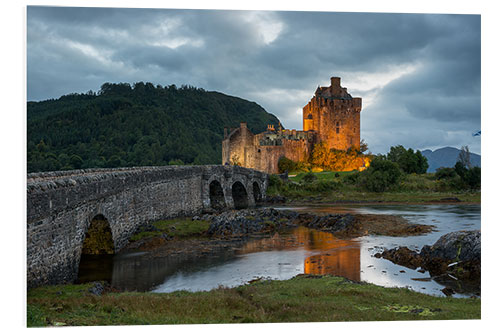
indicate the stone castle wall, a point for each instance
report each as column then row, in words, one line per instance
column 332, row 116
column 262, row 151
column 335, row 116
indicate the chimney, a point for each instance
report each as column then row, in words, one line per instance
column 335, row 82
column 243, row 125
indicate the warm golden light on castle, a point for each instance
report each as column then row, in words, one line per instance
column 331, row 117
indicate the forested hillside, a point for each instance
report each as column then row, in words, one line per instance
column 143, row 124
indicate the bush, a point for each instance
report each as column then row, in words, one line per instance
column 352, row 178
column 322, row 186
column 336, row 160
column 309, row 177
column 473, row 178
column 445, row 173
column 470, row 177
column 418, row 183
column 286, row 165
column 381, row 175
column 275, row 184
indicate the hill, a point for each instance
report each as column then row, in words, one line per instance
column 143, row 124
column 447, row 157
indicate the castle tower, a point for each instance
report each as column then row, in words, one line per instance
column 334, row 115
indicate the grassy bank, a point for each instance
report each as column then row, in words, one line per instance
column 301, row 299
column 173, row 228
column 340, row 187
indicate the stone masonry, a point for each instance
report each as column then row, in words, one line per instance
column 62, row 204
column 331, row 116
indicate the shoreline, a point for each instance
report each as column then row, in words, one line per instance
column 369, row 202
column 304, row 298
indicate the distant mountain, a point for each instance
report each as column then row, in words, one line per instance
column 143, row 124
column 447, row 157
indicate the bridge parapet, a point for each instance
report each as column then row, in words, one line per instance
column 62, row 204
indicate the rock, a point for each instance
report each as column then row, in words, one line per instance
column 403, row 256
column 247, row 221
column 334, row 223
column 458, row 246
column 457, row 253
column 97, row 289
column 447, row 291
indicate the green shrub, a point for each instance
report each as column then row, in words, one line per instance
column 445, row 173
column 309, row 177
column 352, row 178
column 470, row 177
column 286, row 165
column 473, row 178
column 417, row 183
column 275, row 181
column 321, row 186
column 381, row 175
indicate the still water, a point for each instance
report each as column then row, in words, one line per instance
column 302, row 250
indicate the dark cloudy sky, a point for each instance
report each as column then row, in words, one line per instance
column 419, row 74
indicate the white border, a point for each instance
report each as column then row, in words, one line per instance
column 13, row 101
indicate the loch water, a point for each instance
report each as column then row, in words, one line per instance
column 299, row 251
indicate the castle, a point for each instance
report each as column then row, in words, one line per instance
column 332, row 116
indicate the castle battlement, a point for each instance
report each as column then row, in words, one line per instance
column 331, row 116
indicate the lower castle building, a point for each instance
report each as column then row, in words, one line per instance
column 332, row 116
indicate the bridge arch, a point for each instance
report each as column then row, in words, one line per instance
column 216, row 195
column 257, row 193
column 63, row 207
column 98, row 238
column 240, row 195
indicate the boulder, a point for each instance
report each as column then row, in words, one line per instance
column 457, row 253
column 456, row 246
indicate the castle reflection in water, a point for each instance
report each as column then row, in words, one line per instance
column 335, row 256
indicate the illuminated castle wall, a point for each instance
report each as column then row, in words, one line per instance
column 331, row 116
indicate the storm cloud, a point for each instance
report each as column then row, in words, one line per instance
column 418, row 74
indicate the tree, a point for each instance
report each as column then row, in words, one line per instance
column 408, row 160
column 363, row 146
column 422, row 163
column 471, row 177
column 320, row 155
column 76, row 161
column 464, row 157
column 381, row 175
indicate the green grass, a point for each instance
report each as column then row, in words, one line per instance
column 324, row 175
column 301, row 299
column 179, row 228
column 413, row 188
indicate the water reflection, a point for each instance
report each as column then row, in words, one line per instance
column 283, row 256
column 278, row 257
column 325, row 254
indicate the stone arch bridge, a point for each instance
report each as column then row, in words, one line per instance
column 62, row 205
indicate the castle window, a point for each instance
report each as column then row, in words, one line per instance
column 310, row 116
column 337, row 130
